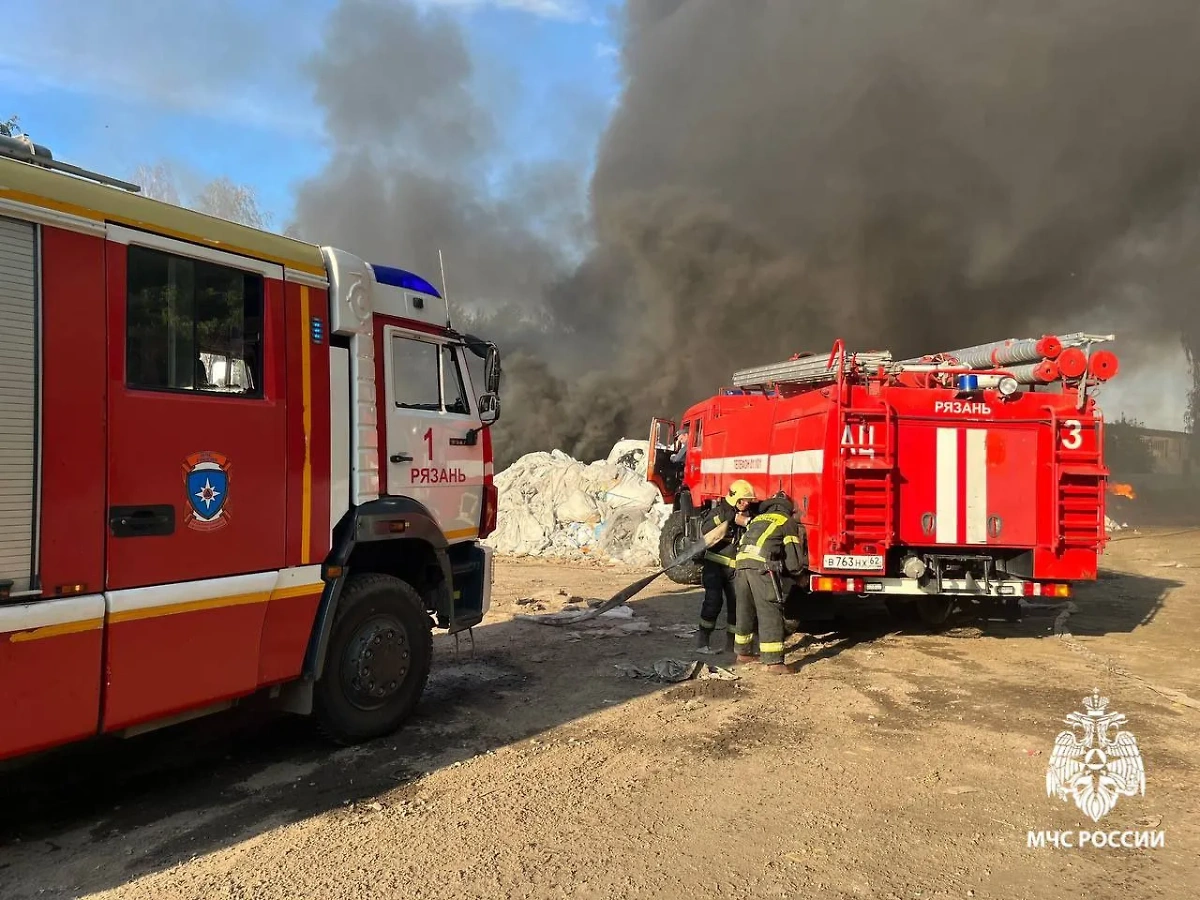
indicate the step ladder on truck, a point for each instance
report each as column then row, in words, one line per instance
column 967, row 477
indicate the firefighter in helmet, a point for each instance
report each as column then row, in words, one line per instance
column 716, row 573
column 772, row 545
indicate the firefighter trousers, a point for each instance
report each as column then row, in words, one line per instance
column 758, row 604
column 718, row 591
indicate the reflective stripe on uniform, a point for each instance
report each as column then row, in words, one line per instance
column 719, row 559
column 771, row 647
column 707, row 625
column 791, row 539
column 755, row 550
column 743, row 638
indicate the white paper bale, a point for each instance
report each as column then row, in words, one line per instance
column 578, row 507
column 554, row 506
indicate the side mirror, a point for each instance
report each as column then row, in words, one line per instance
column 489, row 409
column 491, row 375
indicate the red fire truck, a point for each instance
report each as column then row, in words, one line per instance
column 975, row 475
column 232, row 465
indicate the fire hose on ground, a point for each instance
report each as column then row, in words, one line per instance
column 624, row 595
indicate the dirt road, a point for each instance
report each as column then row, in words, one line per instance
column 891, row 765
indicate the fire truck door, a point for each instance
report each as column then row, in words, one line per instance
column 197, row 471
column 660, row 471
column 433, row 447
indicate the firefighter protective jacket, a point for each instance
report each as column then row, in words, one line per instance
column 772, row 540
column 724, row 551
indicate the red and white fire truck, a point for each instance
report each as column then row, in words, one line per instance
column 232, row 464
column 971, row 475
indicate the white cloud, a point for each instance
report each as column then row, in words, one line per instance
column 96, row 78
column 200, row 61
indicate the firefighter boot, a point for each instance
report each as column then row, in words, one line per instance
column 743, row 647
column 703, row 635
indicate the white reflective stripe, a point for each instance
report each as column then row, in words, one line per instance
column 45, row 613
column 190, row 592
column 976, row 486
column 802, row 462
column 735, row 465
column 947, row 486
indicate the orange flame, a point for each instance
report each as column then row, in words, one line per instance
column 1123, row 490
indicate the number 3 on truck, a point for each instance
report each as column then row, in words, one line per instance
column 1074, row 436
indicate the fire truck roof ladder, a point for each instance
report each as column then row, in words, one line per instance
column 24, row 150
column 808, row 370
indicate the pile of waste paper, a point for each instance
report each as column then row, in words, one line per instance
column 552, row 505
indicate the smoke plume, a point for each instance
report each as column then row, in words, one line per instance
column 413, row 169
column 917, row 176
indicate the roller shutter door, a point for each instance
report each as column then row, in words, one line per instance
column 18, row 400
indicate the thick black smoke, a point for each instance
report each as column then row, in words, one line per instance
column 917, row 176
column 413, row 167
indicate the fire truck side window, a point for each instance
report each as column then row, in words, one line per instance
column 456, row 392
column 192, row 325
column 415, row 374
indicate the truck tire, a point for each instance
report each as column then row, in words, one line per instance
column 673, row 541
column 935, row 609
column 377, row 662
column 902, row 610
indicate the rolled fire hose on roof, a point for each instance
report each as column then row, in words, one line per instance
column 624, row 595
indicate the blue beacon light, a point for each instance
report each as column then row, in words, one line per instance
column 401, row 278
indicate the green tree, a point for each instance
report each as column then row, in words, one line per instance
column 1125, row 448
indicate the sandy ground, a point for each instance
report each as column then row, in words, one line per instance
column 892, row 764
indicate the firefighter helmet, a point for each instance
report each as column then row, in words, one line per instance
column 740, row 490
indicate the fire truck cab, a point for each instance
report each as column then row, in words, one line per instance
column 232, row 465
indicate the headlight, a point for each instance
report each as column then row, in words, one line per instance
column 1008, row 386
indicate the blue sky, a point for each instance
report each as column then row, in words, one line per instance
column 217, row 87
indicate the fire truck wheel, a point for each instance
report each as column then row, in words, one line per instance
column 671, row 542
column 378, row 659
column 902, row 609
column 935, row 610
